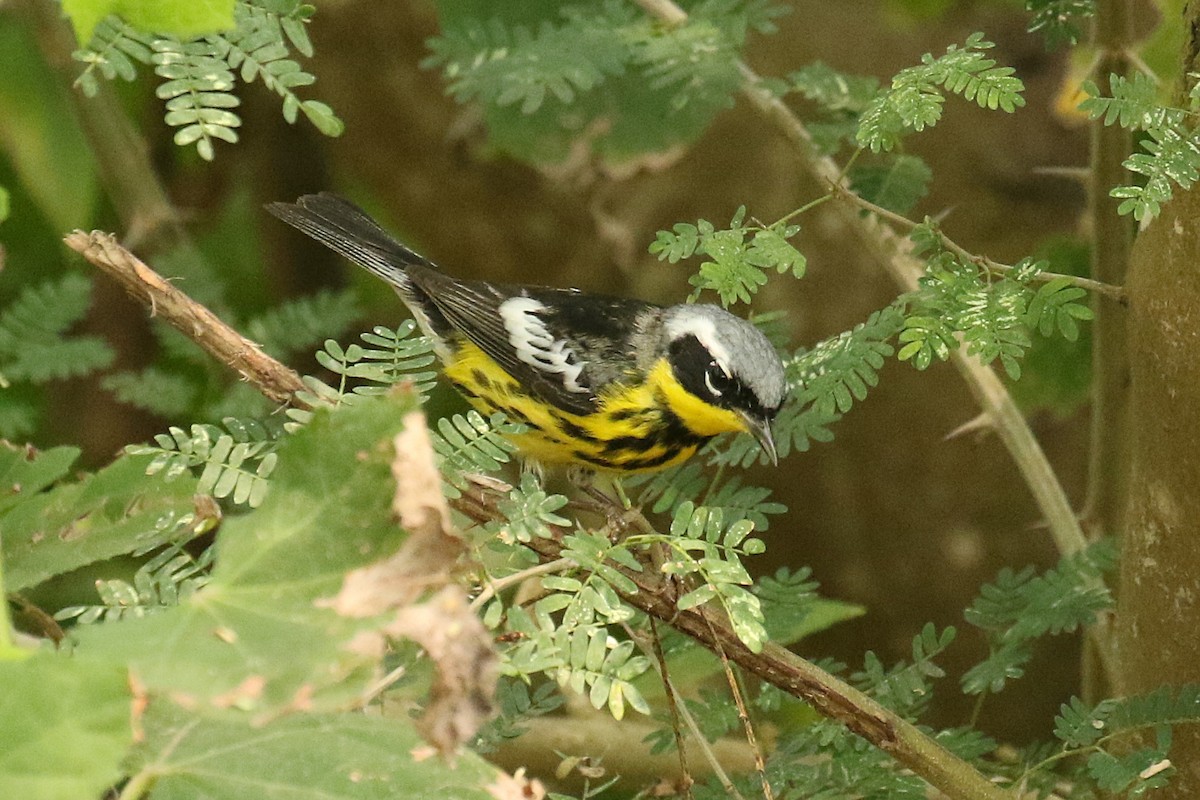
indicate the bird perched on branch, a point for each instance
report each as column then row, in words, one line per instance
column 603, row 383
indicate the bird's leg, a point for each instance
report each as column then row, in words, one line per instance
column 613, row 503
column 622, row 518
column 584, row 479
column 535, row 468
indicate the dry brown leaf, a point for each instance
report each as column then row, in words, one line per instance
column 461, row 698
column 516, row 787
column 419, row 503
column 444, row 625
column 243, row 695
column 428, row 557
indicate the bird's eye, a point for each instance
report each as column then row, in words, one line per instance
column 715, row 379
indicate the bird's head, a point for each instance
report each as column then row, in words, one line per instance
column 728, row 363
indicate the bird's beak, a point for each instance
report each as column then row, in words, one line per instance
column 761, row 430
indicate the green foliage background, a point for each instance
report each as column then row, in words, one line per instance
column 194, row 657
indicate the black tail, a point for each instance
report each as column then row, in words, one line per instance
column 349, row 231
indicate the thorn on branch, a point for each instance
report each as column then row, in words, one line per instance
column 981, row 422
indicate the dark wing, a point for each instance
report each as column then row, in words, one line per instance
column 561, row 345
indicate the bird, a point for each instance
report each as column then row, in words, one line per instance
column 597, row 383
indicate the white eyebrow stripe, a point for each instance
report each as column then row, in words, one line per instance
column 706, row 333
column 534, row 345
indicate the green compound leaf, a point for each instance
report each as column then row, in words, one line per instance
column 915, row 99
column 529, row 512
column 1059, row 21
column 737, row 256
column 1056, row 306
column 32, row 343
column 66, row 726
column 771, row 249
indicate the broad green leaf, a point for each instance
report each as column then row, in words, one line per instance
column 184, row 19
column 66, row 726
column 74, row 524
column 227, row 755
column 822, row 615
column 40, row 136
column 25, row 471
column 895, row 184
column 256, row 635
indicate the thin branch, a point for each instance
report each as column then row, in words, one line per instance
column 744, row 715
column 826, row 693
column 271, row 378
column 664, row 10
column 678, row 708
column 500, row 584
column 894, row 254
column 1116, row 293
column 584, row 730
column 1108, row 446
column 1112, row 237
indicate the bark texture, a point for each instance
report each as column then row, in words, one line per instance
column 1159, row 628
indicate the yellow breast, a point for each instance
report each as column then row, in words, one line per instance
column 649, row 425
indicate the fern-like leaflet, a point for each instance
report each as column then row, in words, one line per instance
column 1171, row 146
column 992, row 315
column 468, row 444
column 236, row 462
column 702, row 544
column 197, row 87
column 1100, row 732
column 1059, row 21
column 298, row 324
column 737, row 256
column 114, row 48
column 600, row 67
column 906, row 687
column 915, row 99
column 1020, row 607
column 602, row 668
column 257, row 48
column 385, row 357
column 32, row 345
column 165, row 580
column 159, row 391
column 565, row 634
column 198, row 75
column 528, row 512
column 35, row 347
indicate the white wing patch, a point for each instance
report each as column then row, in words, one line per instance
column 535, row 346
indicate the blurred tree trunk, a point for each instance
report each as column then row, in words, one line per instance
column 1159, row 610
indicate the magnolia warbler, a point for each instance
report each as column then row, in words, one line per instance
column 598, row 382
